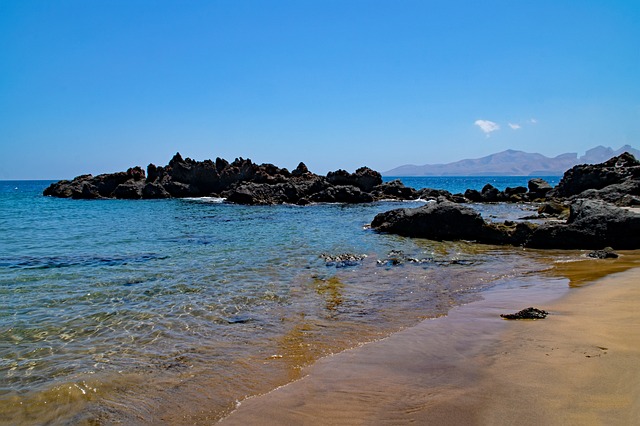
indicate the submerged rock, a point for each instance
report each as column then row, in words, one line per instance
column 343, row 260
column 528, row 313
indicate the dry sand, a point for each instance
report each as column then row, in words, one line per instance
column 580, row 366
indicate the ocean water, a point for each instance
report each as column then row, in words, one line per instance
column 171, row 311
column 459, row 184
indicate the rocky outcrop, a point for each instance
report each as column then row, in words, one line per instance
column 586, row 206
column 241, row 182
column 592, row 224
column 490, row 194
column 616, row 181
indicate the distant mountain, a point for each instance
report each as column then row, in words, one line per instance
column 512, row 163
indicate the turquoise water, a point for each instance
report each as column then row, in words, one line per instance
column 117, row 310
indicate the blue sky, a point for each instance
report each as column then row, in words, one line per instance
column 99, row 86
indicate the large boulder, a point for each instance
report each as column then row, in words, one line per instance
column 592, row 224
column 438, row 221
column 538, row 188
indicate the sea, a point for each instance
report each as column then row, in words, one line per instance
column 173, row 311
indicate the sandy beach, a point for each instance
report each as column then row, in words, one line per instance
column 578, row 366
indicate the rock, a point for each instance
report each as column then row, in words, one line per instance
column 515, row 195
column 473, row 195
column 435, row 194
column 606, row 253
column 598, row 176
column 241, row 181
column 395, row 190
column 154, row 190
column 130, row 190
column 591, row 225
column 343, row 260
column 341, row 194
column 538, row 188
column 491, row 194
column 553, row 209
column 364, row 178
column 528, row 313
column 438, row 221
column 518, row 190
column 262, row 193
column 301, row 170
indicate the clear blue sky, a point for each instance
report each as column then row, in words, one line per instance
column 98, row 86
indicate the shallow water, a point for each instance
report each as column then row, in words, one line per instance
column 125, row 311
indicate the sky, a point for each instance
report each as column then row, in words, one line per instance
column 99, row 86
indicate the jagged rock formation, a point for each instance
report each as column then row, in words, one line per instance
column 592, row 224
column 616, row 181
column 241, row 181
column 594, row 194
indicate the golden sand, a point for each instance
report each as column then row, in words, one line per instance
column 580, row 366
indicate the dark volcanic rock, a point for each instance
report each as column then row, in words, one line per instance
column 154, row 190
column 241, row 181
column 394, row 190
column 515, row 195
column 538, row 188
column 491, row 194
column 341, row 194
column 595, row 219
column 591, row 225
column 130, row 190
column 528, row 313
column 439, row 221
column 552, row 209
column 263, row 193
column 364, row 178
column 583, row 177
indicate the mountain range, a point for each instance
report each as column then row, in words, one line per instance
column 512, row 163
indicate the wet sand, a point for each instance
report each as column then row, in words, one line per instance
column 581, row 365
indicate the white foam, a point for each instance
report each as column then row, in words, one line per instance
column 207, row 199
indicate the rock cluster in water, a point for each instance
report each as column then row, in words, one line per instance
column 592, row 198
column 587, row 203
column 241, row 182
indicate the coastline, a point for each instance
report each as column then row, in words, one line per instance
column 579, row 366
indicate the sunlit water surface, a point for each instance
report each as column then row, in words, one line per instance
column 126, row 311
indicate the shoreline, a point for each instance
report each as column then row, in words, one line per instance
column 578, row 366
